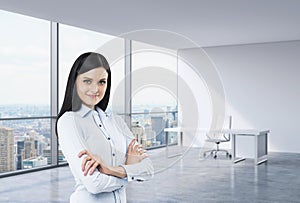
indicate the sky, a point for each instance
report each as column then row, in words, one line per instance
column 25, row 61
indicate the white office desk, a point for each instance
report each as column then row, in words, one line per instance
column 260, row 140
column 260, row 143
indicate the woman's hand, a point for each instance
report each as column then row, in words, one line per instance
column 92, row 162
column 135, row 153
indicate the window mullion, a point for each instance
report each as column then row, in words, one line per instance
column 54, row 91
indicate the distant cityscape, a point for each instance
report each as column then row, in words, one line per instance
column 26, row 143
column 148, row 124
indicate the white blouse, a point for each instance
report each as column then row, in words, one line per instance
column 107, row 136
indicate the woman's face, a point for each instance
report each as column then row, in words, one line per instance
column 91, row 86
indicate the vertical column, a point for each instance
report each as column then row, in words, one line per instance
column 233, row 148
column 128, row 69
column 256, row 138
column 266, row 143
column 54, row 91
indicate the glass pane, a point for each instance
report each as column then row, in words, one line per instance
column 154, row 102
column 25, row 91
column 25, row 144
column 24, row 66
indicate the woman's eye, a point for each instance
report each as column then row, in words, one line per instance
column 102, row 82
column 87, row 81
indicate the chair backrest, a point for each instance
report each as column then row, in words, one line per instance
column 224, row 123
column 227, row 123
column 230, row 122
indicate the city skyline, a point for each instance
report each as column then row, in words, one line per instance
column 30, row 139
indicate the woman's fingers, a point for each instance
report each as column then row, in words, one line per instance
column 130, row 146
column 89, row 163
column 134, row 148
column 142, row 151
column 94, row 167
column 137, row 148
column 85, row 161
column 144, row 155
column 83, row 152
column 89, row 166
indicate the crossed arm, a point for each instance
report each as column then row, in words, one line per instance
column 103, row 178
column 92, row 162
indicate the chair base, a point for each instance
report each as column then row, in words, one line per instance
column 214, row 153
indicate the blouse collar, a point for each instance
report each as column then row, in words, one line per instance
column 84, row 110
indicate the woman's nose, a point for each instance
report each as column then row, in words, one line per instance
column 94, row 87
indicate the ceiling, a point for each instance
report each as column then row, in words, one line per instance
column 206, row 22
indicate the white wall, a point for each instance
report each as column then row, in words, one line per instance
column 262, row 88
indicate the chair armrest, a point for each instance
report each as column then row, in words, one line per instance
column 227, row 138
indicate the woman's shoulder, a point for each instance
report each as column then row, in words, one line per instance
column 67, row 117
column 68, row 114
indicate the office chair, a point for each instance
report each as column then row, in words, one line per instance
column 218, row 138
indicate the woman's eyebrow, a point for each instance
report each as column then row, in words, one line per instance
column 92, row 78
column 87, row 78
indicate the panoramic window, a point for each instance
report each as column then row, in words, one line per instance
column 25, row 92
column 154, row 102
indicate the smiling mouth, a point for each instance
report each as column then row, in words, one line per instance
column 93, row 96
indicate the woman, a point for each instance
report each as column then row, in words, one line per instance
column 93, row 142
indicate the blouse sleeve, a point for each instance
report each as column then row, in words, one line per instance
column 71, row 143
column 140, row 171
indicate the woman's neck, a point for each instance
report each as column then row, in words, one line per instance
column 89, row 106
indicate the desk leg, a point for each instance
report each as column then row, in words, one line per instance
column 261, row 143
column 255, row 148
column 166, row 141
column 233, row 146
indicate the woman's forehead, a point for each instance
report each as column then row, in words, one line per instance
column 96, row 73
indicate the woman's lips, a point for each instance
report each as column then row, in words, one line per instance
column 93, row 96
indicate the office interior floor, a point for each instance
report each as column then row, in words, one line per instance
column 178, row 179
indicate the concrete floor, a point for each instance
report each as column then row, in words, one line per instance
column 178, row 179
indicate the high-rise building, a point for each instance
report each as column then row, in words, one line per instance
column 26, row 149
column 30, row 150
column 150, row 135
column 20, row 147
column 47, row 154
column 158, row 125
column 7, row 162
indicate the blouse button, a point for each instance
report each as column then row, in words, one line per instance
column 100, row 125
column 108, row 138
column 113, row 154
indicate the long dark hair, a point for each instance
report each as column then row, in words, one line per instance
column 84, row 63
